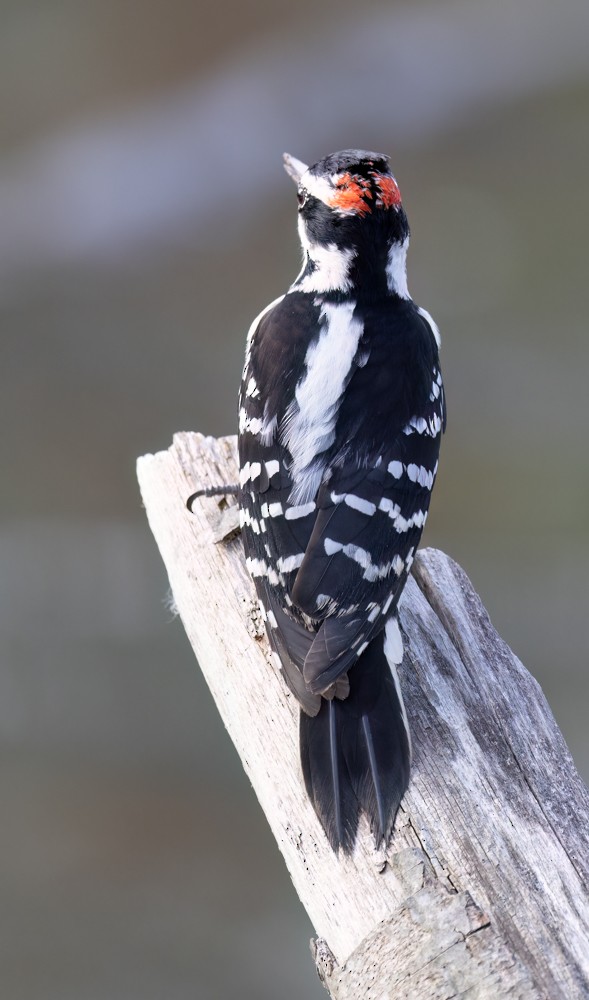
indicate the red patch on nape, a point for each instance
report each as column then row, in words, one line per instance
column 352, row 194
column 388, row 194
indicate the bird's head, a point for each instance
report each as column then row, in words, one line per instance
column 352, row 225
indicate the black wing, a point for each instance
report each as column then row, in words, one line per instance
column 330, row 571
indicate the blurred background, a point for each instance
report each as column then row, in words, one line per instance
column 144, row 220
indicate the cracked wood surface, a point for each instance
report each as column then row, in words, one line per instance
column 483, row 889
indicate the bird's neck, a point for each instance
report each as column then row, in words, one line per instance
column 372, row 270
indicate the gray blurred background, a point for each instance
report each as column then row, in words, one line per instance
column 144, row 220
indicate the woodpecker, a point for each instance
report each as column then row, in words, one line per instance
column 341, row 412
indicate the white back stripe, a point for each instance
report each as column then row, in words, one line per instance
column 309, row 427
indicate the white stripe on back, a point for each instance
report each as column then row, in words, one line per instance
column 309, row 427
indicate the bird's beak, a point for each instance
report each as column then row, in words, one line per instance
column 294, row 168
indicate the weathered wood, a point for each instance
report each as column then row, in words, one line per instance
column 483, row 890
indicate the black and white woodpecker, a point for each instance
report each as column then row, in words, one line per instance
column 341, row 415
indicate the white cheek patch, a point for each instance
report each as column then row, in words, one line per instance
column 318, row 187
column 332, row 269
column 331, row 265
column 397, row 269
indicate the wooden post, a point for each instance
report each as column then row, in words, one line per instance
column 482, row 892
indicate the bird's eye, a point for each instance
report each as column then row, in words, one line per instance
column 302, row 196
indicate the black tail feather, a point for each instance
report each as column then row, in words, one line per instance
column 355, row 753
column 326, row 778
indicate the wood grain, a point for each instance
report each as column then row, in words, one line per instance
column 483, row 890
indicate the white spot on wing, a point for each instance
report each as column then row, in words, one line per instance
column 326, row 605
column 272, row 468
column 356, row 503
column 417, row 520
column 249, row 471
column 258, row 567
column 390, row 508
column 292, row 513
column 419, row 425
column 372, row 571
column 252, row 424
column 387, row 604
column 287, row 564
column 419, row 474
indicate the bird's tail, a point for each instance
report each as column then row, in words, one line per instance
column 355, row 753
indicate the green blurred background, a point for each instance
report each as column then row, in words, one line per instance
column 144, row 220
